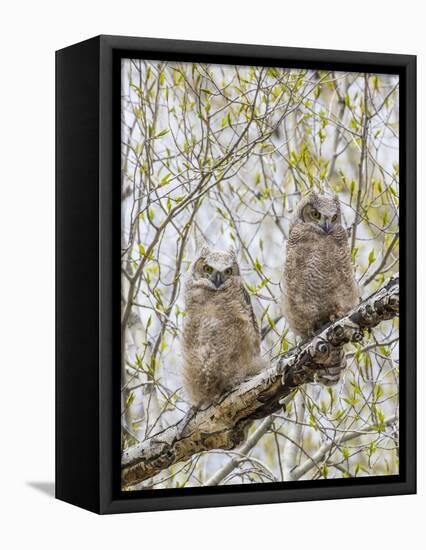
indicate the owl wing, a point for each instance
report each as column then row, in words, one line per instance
column 247, row 300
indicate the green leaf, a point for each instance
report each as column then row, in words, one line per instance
column 367, row 360
column 130, row 399
column 378, row 392
column 136, row 88
column 221, row 212
column 162, row 133
column 284, row 345
column 165, row 180
column 376, row 83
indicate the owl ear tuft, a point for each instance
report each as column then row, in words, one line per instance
column 313, row 194
column 336, row 200
column 201, row 247
column 232, row 251
column 204, row 250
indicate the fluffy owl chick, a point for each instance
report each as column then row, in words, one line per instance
column 318, row 282
column 221, row 339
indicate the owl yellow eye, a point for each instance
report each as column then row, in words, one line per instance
column 315, row 214
column 228, row 271
column 207, row 269
column 334, row 218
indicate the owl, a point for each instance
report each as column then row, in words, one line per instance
column 221, row 338
column 318, row 281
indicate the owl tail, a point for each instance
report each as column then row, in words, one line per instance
column 330, row 374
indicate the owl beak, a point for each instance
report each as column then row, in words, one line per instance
column 218, row 279
column 326, row 225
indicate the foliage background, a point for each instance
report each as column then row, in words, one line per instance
column 226, row 152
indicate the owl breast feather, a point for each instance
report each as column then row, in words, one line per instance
column 319, row 284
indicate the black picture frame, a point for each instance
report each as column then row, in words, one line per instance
column 88, row 273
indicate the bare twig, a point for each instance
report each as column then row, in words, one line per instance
column 325, row 449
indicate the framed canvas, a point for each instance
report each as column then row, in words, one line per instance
column 236, row 279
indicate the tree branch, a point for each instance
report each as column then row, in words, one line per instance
column 223, row 424
column 384, row 260
column 328, row 447
column 251, row 442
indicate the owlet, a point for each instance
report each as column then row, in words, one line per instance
column 318, row 283
column 221, row 339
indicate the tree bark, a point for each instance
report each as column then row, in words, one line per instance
column 223, row 424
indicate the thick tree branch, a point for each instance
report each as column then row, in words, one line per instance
column 247, row 446
column 223, row 424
